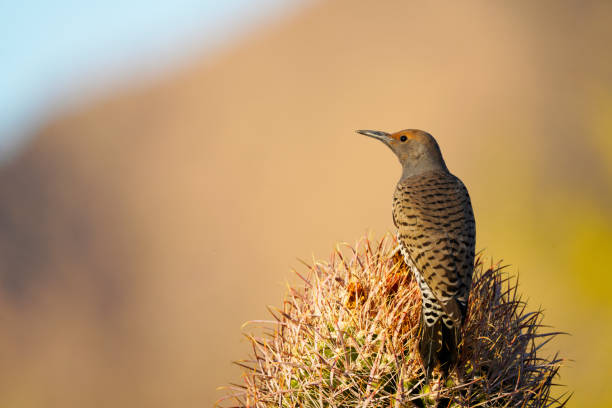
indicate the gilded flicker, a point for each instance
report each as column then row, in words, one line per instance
column 436, row 234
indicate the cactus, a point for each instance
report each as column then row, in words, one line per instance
column 348, row 337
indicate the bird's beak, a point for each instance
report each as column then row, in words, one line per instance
column 376, row 134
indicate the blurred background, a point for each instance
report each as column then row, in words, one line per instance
column 163, row 164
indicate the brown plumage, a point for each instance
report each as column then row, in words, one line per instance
column 437, row 234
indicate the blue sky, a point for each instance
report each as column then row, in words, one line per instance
column 56, row 52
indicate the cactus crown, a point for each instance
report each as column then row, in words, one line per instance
column 348, row 338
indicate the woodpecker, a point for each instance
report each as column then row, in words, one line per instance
column 436, row 232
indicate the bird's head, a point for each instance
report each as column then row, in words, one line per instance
column 417, row 151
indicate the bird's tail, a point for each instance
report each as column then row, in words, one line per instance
column 438, row 345
column 451, row 337
column 430, row 344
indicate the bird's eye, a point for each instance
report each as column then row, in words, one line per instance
column 403, row 138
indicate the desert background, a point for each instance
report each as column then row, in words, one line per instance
column 141, row 228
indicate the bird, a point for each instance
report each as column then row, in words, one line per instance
column 436, row 232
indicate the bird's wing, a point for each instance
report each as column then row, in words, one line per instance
column 436, row 227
